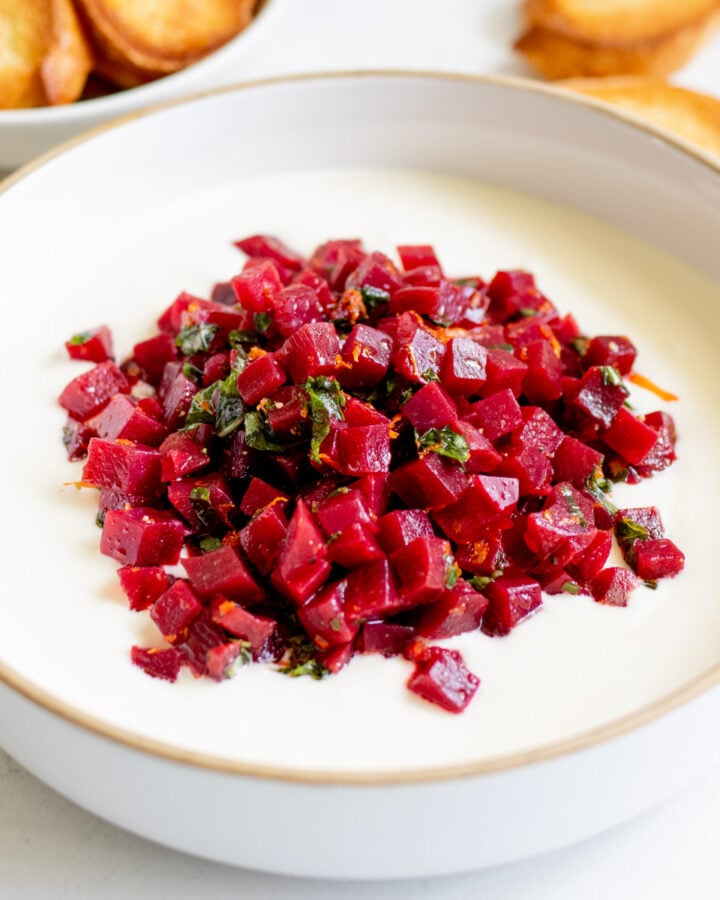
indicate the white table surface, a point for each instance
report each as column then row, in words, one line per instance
column 49, row 848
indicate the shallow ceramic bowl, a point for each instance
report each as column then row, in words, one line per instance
column 25, row 133
column 586, row 714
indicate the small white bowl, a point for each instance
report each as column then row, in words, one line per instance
column 586, row 714
column 25, row 133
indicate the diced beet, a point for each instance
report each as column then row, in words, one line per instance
column 600, row 394
column 172, row 320
column 422, row 569
column 430, row 482
column 287, row 412
column 222, row 571
column 657, row 558
column 336, row 658
column 463, row 366
column 401, row 526
column 203, row 635
column 125, row 419
column 367, row 353
column 271, row 247
column 633, row 524
column 143, row 584
column 497, row 415
column 662, row 453
column 95, row 345
column 442, row 678
column 613, row 586
column 422, row 299
column 483, row 458
column 123, row 466
column 510, row 600
column 89, row 392
column 563, row 528
column 414, row 255
column 302, row 566
column 174, row 610
column 259, row 631
column 387, row 638
column 261, row 539
column 222, row 659
column 374, row 488
column 630, row 437
column 341, row 509
column 159, row 663
column 312, row 351
column 486, row 499
column 258, row 287
column 459, row 609
column 177, row 399
column 260, row 378
column 530, row 467
column 611, row 350
column 511, row 292
column 297, row 305
column 484, row 556
column 371, row 592
column 323, row 616
column 503, row 370
column 575, row 462
column 152, row 355
column 260, row 494
column 204, row 502
column 359, row 413
column 538, row 430
column 418, row 353
column 181, row 454
column 363, row 449
column 593, row 558
column 76, row 437
column 430, row 407
column 543, row 379
column 377, row 271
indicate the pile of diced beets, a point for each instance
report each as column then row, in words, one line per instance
column 346, row 456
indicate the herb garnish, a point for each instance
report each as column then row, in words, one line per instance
column 326, row 401
column 196, row 338
column 445, row 442
column 258, row 433
column 302, row 660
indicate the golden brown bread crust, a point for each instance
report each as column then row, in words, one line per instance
column 556, row 56
column 617, row 22
column 691, row 115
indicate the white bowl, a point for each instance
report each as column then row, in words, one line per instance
column 586, row 714
column 25, row 133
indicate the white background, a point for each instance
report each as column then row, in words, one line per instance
column 49, row 848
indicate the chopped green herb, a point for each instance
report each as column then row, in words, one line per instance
column 430, row 375
column 628, row 531
column 209, row 543
column 81, row 337
column 651, row 584
column 572, row 505
column 452, row 574
column 527, row 311
column 580, row 345
column 196, row 338
column 445, row 442
column 610, row 376
column 239, row 336
column 480, row 582
column 201, row 504
column 473, row 282
column 200, row 492
column 258, row 433
column 302, row 660
column 373, row 296
column 571, row 588
column 202, row 407
column 262, row 321
column 192, row 372
column 326, row 401
column 507, row 347
column 230, row 410
column 335, row 623
column 598, row 486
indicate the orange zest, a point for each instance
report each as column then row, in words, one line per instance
column 643, row 382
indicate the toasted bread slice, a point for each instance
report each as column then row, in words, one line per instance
column 555, row 56
column 138, row 40
column 689, row 114
column 617, row 22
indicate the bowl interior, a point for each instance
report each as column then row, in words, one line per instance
column 617, row 224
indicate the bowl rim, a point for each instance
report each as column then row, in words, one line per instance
column 125, row 100
column 585, row 740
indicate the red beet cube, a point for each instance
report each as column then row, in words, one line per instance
column 152, row 355
column 297, row 305
column 497, row 415
column 483, row 457
column 611, row 350
column 367, row 352
column 323, row 616
column 430, row 407
column 538, row 430
column 662, row 454
column 89, row 392
column 258, row 287
column 371, row 592
column 181, row 454
column 260, row 494
column 359, row 413
column 143, row 584
column 588, row 563
column 483, row 556
column 261, row 539
column 401, row 526
column 94, row 345
column 174, row 610
column 363, row 449
column 613, row 586
column 563, row 528
column 503, row 371
column 157, row 662
column 222, row 659
column 418, row 354
column 600, row 395
column 342, row 509
column 388, row 638
column 203, row 635
column 302, row 566
column 510, row 600
column 463, row 366
column 312, row 351
column 511, row 292
column 575, row 462
column 222, row 571
column 430, row 482
column 129, row 468
column 459, row 609
column 657, row 558
column 272, row 248
column 259, row 631
column 543, row 379
column 422, row 569
column 487, row 498
column 260, row 378
column 177, row 399
column 530, row 467
column 630, row 437
column 125, row 419
column 442, row 678
column 414, row 255
column 204, row 502
column 287, row 414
